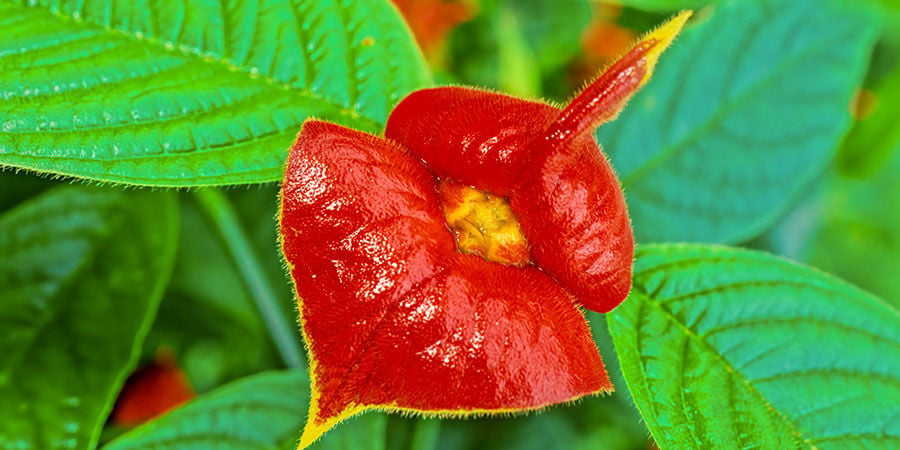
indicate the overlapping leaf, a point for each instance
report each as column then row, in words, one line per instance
column 207, row 316
column 81, row 274
column 181, row 93
column 261, row 412
column 726, row 348
column 745, row 112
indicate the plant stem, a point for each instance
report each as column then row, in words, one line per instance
column 229, row 227
column 425, row 434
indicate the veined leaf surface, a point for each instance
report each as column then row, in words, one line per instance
column 81, row 274
column 727, row 348
column 186, row 93
column 744, row 112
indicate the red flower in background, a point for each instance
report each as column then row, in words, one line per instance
column 432, row 20
column 440, row 270
column 152, row 391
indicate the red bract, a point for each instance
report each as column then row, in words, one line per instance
column 440, row 270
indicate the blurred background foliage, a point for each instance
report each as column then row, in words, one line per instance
column 848, row 222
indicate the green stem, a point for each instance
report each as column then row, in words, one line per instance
column 425, row 434
column 226, row 221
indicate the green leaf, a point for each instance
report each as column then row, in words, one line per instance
column 15, row 188
column 727, row 348
column 81, row 276
column 187, row 93
column 667, row 5
column 515, row 45
column 264, row 411
column 845, row 228
column 207, row 316
column 745, row 110
column 876, row 134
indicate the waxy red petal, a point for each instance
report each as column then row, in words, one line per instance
column 473, row 136
column 394, row 316
column 573, row 214
column 567, row 198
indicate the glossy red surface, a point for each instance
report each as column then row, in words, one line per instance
column 473, row 136
column 394, row 315
column 563, row 190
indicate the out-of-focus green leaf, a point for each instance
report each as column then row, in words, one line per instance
column 81, row 274
column 519, row 73
column 511, row 43
column 850, row 227
column 207, row 317
column 877, row 133
column 187, row 93
column 668, row 5
column 727, row 348
column 745, row 110
column 592, row 423
column 16, row 188
column 859, row 238
column 261, row 412
column 365, row 432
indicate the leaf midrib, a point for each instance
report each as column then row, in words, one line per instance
column 728, row 367
column 221, row 62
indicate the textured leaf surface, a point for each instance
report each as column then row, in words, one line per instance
column 81, row 274
column 744, row 112
column 263, row 411
column 726, row 348
column 178, row 93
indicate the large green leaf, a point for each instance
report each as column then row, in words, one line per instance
column 193, row 92
column 264, row 411
column 727, row 348
column 81, row 274
column 745, row 110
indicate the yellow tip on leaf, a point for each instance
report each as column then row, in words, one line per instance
column 661, row 38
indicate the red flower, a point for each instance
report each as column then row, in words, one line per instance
column 440, row 270
column 152, row 391
column 432, row 20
